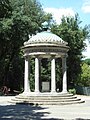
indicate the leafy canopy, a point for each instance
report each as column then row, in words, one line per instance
column 84, row 79
column 18, row 19
column 70, row 32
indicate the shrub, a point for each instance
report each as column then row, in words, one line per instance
column 72, row 91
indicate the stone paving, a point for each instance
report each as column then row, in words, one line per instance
column 10, row 111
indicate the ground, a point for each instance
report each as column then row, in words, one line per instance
column 10, row 111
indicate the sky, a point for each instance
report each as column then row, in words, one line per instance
column 58, row 8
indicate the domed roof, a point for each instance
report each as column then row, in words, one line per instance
column 45, row 37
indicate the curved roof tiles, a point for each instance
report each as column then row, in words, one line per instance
column 45, row 37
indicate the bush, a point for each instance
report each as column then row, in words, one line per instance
column 84, row 78
column 72, row 91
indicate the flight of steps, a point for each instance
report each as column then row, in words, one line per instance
column 59, row 99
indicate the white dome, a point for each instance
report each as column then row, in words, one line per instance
column 47, row 38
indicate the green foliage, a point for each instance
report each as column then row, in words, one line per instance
column 5, row 9
column 45, row 70
column 32, row 74
column 18, row 19
column 70, row 32
column 59, row 75
column 72, row 91
column 87, row 61
column 84, row 79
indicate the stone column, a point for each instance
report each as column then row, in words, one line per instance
column 40, row 82
column 53, row 81
column 36, row 74
column 26, row 76
column 64, row 69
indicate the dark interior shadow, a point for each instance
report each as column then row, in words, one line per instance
column 23, row 112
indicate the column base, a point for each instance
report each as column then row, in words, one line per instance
column 64, row 91
column 36, row 92
column 53, row 92
column 26, row 93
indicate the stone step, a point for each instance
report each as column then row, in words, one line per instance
column 46, row 95
column 47, row 103
column 45, row 98
column 48, row 100
column 67, row 100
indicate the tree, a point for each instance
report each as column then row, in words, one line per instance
column 5, row 9
column 5, row 13
column 70, row 32
column 18, row 19
column 87, row 61
column 84, row 79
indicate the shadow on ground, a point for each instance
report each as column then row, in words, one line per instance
column 23, row 112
